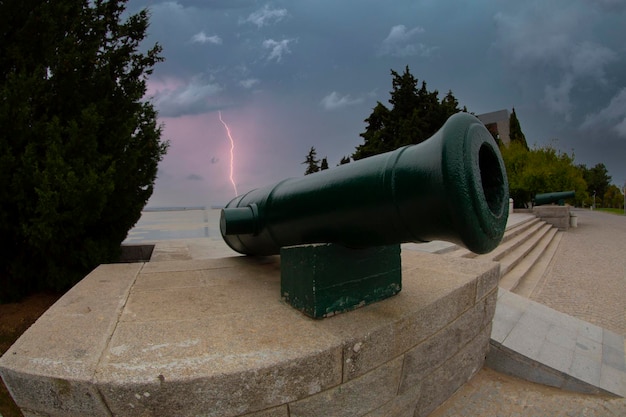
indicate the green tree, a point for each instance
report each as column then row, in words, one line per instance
column 515, row 130
column 613, row 197
column 324, row 164
column 598, row 181
column 540, row 170
column 79, row 146
column 311, row 162
column 415, row 115
column 379, row 135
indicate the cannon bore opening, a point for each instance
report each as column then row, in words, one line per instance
column 491, row 178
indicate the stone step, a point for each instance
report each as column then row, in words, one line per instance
column 523, row 247
column 517, row 223
column 535, row 277
column 520, row 251
column 513, row 236
column 518, row 246
column 524, row 264
column 518, row 228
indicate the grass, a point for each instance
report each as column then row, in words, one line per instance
column 618, row 211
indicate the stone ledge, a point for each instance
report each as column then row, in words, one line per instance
column 558, row 216
column 189, row 337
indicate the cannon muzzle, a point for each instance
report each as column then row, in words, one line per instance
column 450, row 187
column 549, row 198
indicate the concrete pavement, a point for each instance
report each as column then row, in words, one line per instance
column 587, row 276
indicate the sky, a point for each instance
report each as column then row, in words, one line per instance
column 286, row 76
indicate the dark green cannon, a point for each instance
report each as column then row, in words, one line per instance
column 549, row 198
column 451, row 187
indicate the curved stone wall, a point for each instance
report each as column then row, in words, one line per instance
column 213, row 338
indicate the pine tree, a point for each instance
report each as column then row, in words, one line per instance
column 79, row 146
column 324, row 164
column 311, row 162
column 344, row 160
column 415, row 115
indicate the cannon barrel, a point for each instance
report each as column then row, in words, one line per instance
column 549, row 198
column 450, row 187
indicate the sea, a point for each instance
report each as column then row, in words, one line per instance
column 165, row 223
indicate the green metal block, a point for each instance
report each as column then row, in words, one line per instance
column 326, row 279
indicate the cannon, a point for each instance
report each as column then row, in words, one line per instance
column 451, row 187
column 549, row 198
column 339, row 231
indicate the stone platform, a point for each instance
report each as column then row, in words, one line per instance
column 557, row 216
column 212, row 337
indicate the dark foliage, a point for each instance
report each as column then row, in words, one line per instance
column 415, row 115
column 79, row 146
column 311, row 162
column 598, row 181
column 515, row 131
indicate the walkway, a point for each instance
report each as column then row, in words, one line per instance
column 586, row 279
column 587, row 276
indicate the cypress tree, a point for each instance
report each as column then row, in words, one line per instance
column 515, row 130
column 79, row 146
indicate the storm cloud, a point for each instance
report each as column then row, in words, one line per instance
column 290, row 75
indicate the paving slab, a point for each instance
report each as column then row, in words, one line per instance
column 554, row 348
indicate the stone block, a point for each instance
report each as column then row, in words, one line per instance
column 558, row 216
column 357, row 397
column 67, row 397
column 588, row 348
column 613, row 358
column 507, row 361
column 613, row 381
column 403, row 405
column 444, row 381
column 487, row 282
column 585, row 369
column 415, row 328
column 435, row 294
column 363, row 354
column 223, row 393
column 556, row 357
column 590, row 331
column 528, row 335
column 429, row 355
column 51, row 366
column 561, row 337
column 551, row 211
column 612, row 339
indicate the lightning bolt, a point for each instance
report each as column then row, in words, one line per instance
column 232, row 152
